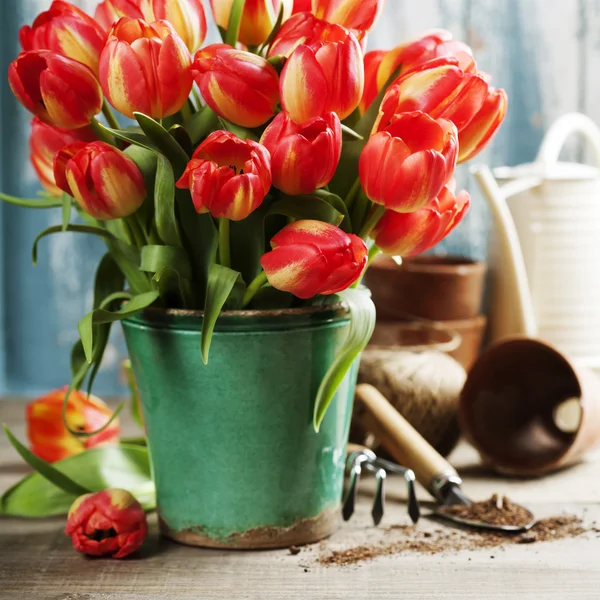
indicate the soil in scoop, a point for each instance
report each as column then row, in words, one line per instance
column 498, row 510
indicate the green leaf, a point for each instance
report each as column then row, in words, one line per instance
column 67, row 203
column 242, row 132
column 221, row 282
column 164, row 203
column 201, row 124
column 349, row 131
column 362, row 324
column 235, row 20
column 306, row 206
column 339, row 205
column 183, row 138
column 32, row 202
column 46, row 470
column 164, row 141
column 115, row 466
column 248, row 242
column 100, row 315
column 172, row 273
column 131, row 136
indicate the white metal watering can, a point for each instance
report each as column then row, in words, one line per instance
column 545, row 255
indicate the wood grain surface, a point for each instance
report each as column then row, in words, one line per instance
column 38, row 563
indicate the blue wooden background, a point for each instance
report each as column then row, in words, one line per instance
column 545, row 53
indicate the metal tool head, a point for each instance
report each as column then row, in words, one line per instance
column 382, row 468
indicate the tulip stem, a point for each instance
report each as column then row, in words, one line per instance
column 109, row 115
column 351, row 197
column 371, row 221
column 136, row 231
column 256, row 284
column 374, row 250
column 224, row 245
column 101, row 132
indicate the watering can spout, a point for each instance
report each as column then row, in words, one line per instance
column 514, row 314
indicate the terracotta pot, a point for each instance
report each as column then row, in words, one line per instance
column 528, row 410
column 438, row 335
column 430, row 287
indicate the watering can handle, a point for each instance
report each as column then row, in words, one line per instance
column 561, row 130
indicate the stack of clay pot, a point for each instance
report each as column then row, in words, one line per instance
column 443, row 293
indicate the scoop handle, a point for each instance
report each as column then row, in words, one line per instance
column 408, row 447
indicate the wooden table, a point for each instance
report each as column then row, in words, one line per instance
column 37, row 561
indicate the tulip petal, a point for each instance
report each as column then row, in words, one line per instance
column 240, row 196
column 303, row 86
column 174, row 75
column 325, row 236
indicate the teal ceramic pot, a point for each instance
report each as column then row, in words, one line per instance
column 236, row 461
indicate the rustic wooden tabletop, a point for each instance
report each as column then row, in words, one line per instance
column 37, row 561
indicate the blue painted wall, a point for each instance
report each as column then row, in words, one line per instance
column 546, row 53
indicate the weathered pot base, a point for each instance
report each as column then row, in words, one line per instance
column 306, row 531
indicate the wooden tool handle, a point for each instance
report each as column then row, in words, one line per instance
column 401, row 439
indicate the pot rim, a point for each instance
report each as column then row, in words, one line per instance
column 430, row 264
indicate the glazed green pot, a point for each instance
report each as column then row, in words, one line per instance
column 236, row 461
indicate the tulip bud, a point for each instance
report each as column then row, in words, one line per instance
column 353, row 14
column 145, row 68
column 110, row 11
column 59, row 90
column 227, row 176
column 48, row 435
column 409, row 234
column 45, row 141
column 324, row 73
column 258, row 19
column 380, row 65
column 106, row 183
column 313, row 257
column 107, row 523
column 239, row 86
column 303, row 157
column 407, row 164
column 443, row 90
column 186, row 16
column 68, row 31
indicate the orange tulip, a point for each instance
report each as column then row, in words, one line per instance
column 107, row 523
column 227, row 176
column 258, row 18
column 59, row 90
column 444, row 91
column 110, row 11
column 303, row 157
column 241, row 87
column 323, row 74
column 353, row 14
column 48, row 436
column 45, row 141
column 407, row 164
column 145, row 68
column 380, row 65
column 409, row 234
column 68, row 31
column 106, row 183
column 313, row 257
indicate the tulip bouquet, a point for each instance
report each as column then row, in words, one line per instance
column 262, row 172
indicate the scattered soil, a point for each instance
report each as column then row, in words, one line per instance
column 445, row 541
column 294, row 550
column 498, row 510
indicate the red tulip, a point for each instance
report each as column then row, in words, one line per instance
column 110, row 11
column 313, row 257
column 145, row 68
column 323, row 74
column 444, row 91
column 353, row 14
column 68, row 31
column 301, row 28
column 106, row 183
column 409, row 234
column 380, row 65
column 407, row 164
column 303, row 157
column 52, row 441
column 240, row 86
column 59, row 90
column 45, row 142
column 227, row 176
column 258, row 18
column 302, row 6
column 186, row 16
column 107, row 523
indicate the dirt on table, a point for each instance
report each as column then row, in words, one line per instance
column 498, row 510
column 409, row 539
